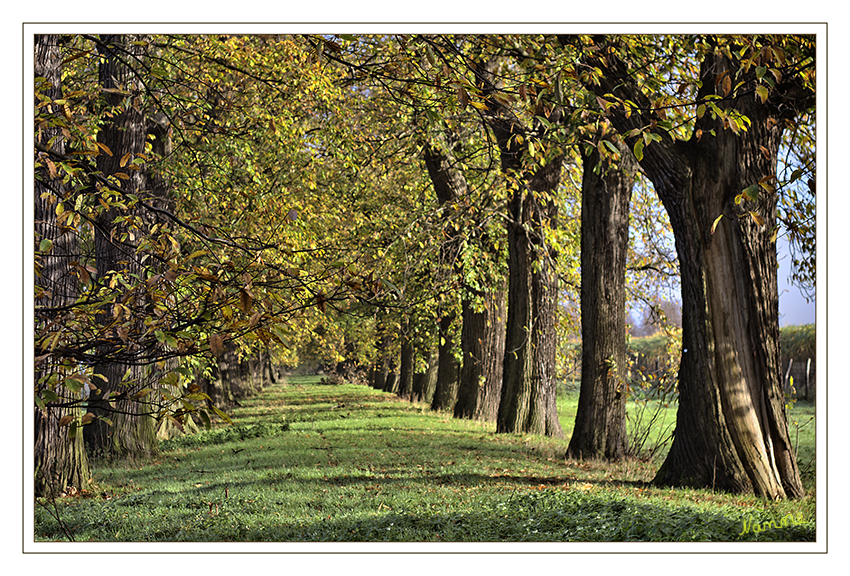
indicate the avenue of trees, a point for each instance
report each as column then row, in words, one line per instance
column 435, row 214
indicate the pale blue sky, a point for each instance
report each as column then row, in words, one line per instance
column 793, row 307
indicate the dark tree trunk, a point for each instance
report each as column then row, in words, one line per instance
column 424, row 390
column 600, row 426
column 448, row 370
column 731, row 431
column 449, row 185
column 216, row 387
column 483, row 344
column 528, row 396
column 133, row 431
column 61, row 461
column 405, row 386
column 379, row 368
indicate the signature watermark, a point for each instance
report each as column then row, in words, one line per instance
column 787, row 520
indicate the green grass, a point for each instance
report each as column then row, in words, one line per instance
column 311, row 462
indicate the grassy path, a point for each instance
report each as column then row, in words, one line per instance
column 312, row 462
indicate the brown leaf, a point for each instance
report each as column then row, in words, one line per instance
column 255, row 319
column 216, row 345
column 726, row 85
column 246, row 300
column 462, row 97
column 66, row 420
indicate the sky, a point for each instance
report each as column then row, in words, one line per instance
column 793, row 307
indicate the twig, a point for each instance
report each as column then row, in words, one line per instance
column 55, row 514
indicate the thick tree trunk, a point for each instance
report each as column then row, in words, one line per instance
column 423, row 389
column 60, row 460
column 448, row 370
column 600, row 426
column 449, row 185
column 731, row 430
column 529, row 388
column 133, row 432
column 483, row 344
column 528, row 395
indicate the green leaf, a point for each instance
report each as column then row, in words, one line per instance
column 611, row 147
column 639, row 150
column 774, row 233
column 45, row 245
column 751, row 192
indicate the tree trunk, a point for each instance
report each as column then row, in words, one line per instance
column 483, row 345
column 429, row 383
column 405, row 386
column 600, row 426
column 528, row 396
column 449, row 185
column 731, row 431
column 391, row 381
column 448, row 370
column 133, row 431
column 60, row 459
column 529, row 388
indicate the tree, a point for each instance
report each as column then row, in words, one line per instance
column 163, row 287
column 61, row 461
column 600, row 428
column 528, row 391
column 716, row 184
column 122, row 137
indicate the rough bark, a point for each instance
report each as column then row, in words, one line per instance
column 425, row 384
column 528, row 396
column 448, row 370
column 483, row 345
column 731, row 431
column 600, row 425
column 449, row 185
column 133, row 431
column 61, row 461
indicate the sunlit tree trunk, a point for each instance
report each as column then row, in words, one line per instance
column 60, row 460
column 528, row 395
column 731, row 430
column 483, row 344
column 449, row 185
column 600, row 426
